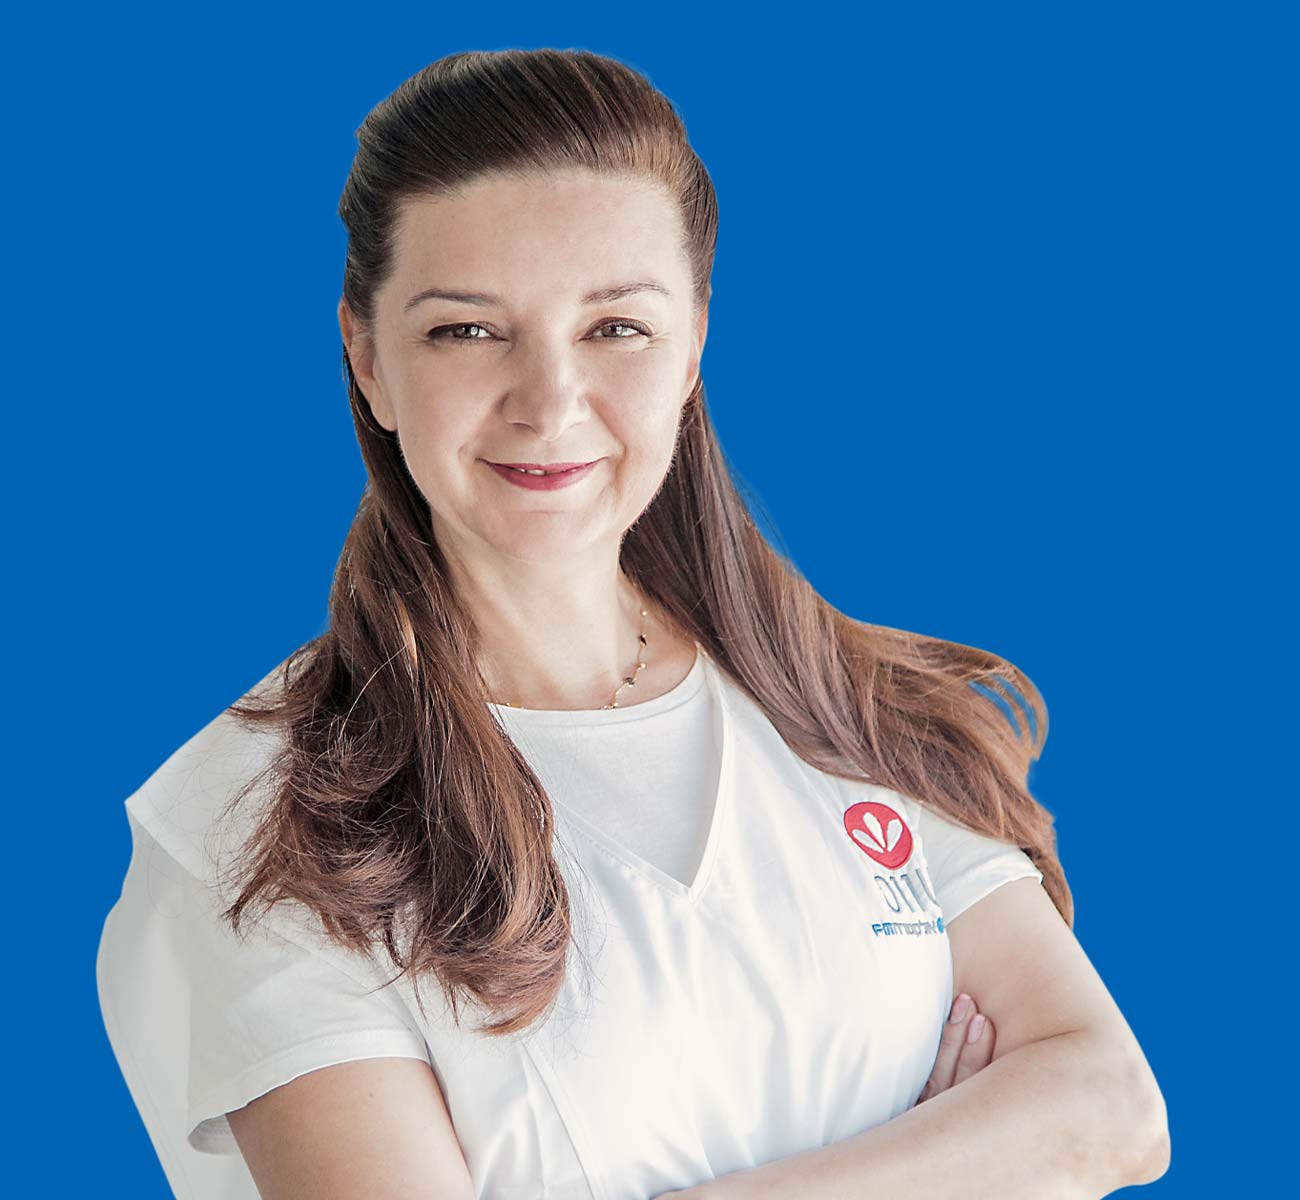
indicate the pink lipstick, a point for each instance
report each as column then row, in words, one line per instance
column 555, row 475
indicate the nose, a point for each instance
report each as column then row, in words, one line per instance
column 547, row 390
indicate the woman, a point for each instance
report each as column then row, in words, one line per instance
column 695, row 862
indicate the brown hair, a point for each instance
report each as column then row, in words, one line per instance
column 397, row 791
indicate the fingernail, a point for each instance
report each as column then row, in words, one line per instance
column 976, row 1028
column 960, row 1009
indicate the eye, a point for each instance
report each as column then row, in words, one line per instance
column 450, row 332
column 443, row 332
column 623, row 337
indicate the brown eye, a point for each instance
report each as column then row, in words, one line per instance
column 444, row 333
column 623, row 337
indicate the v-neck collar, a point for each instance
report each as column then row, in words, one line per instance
column 721, row 800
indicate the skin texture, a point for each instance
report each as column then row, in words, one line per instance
column 958, row 1057
column 375, row 1127
column 539, row 377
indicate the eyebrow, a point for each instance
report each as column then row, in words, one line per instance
column 600, row 296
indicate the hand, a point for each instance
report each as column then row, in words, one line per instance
column 959, row 1059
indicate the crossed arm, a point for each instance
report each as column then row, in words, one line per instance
column 1067, row 1109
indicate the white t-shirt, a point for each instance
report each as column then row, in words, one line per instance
column 638, row 772
column 762, row 967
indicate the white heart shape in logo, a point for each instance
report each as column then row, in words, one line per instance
column 873, row 829
column 880, row 840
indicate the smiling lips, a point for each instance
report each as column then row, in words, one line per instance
column 548, row 468
column 543, row 477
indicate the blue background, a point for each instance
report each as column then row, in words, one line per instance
column 1002, row 343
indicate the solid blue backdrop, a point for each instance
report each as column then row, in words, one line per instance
column 996, row 345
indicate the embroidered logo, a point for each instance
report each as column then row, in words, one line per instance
column 879, row 832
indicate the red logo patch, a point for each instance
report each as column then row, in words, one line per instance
column 879, row 832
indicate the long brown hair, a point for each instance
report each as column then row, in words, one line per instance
column 399, row 802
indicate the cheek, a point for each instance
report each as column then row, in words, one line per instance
column 647, row 446
column 651, row 374
column 642, row 397
column 639, row 418
column 433, row 433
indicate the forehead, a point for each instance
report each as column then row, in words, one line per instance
column 504, row 231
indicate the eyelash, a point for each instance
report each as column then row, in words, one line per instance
column 441, row 332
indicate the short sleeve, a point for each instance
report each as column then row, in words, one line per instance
column 264, row 1010
column 203, row 1021
column 966, row 866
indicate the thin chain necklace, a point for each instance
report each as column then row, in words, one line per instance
column 628, row 680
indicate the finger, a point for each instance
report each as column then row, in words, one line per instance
column 976, row 1055
column 950, row 1043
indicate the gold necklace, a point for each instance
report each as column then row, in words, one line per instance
column 628, row 680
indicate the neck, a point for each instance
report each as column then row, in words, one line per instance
column 567, row 651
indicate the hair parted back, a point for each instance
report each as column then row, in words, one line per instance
column 401, row 813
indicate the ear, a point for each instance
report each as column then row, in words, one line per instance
column 697, row 349
column 361, row 354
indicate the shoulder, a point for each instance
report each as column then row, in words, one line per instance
column 185, row 805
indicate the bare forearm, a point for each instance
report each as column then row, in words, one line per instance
column 1054, row 1120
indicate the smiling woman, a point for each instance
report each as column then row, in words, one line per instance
column 529, row 363
column 693, row 881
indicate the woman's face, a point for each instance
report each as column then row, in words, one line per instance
column 530, row 362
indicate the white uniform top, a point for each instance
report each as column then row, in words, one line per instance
column 754, row 975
